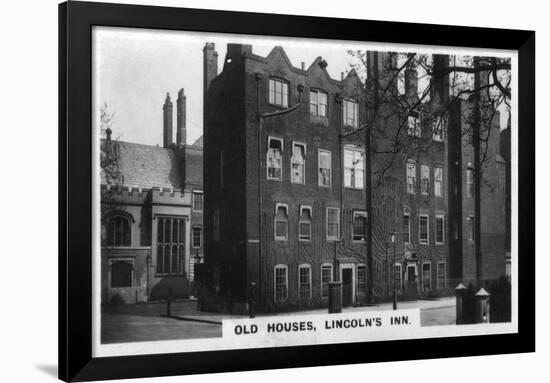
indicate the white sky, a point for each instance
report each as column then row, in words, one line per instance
column 134, row 68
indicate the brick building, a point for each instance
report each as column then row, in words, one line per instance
column 152, row 206
column 286, row 204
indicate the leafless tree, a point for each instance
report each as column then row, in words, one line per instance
column 475, row 86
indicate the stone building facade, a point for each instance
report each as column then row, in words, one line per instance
column 152, row 233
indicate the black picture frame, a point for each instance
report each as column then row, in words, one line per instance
column 75, row 190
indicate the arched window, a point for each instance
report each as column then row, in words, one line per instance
column 118, row 231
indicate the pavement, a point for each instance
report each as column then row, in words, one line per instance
column 149, row 323
column 435, row 312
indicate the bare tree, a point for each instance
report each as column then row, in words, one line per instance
column 111, row 176
column 448, row 83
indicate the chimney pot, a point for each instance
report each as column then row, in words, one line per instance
column 181, row 128
column 303, row 65
column 167, row 126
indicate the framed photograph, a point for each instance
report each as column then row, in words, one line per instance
column 251, row 191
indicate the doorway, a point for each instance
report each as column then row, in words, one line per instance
column 411, row 273
column 347, row 287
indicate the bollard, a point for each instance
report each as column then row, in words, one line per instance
column 169, row 306
column 251, row 301
column 482, row 306
column 334, row 297
column 459, row 292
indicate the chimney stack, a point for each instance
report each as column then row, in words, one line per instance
column 381, row 70
column 440, row 80
column 210, row 68
column 181, row 130
column 167, row 108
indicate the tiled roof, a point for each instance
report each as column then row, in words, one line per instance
column 146, row 166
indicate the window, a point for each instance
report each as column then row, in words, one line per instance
column 281, row 283
column 423, row 237
column 351, row 113
column 411, row 176
column 281, row 222
column 324, row 168
column 426, row 276
column 304, row 281
column 361, row 277
column 438, row 181
column 439, row 229
column 438, row 129
column 354, row 167
column 170, row 245
column 333, row 223
column 413, row 126
column 197, row 237
column 326, row 278
column 406, row 227
column 118, row 231
column 397, row 276
column 298, row 164
column 469, row 182
column 305, row 223
column 441, row 277
column 121, row 274
column 359, row 226
column 197, row 201
column 274, row 158
column 278, row 92
column 216, row 224
column 424, row 179
column 318, row 103
column 471, row 228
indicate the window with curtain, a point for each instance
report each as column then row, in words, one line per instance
column 281, row 222
column 274, row 158
column 298, row 163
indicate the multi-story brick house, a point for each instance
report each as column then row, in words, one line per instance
column 285, row 177
column 436, row 245
column 285, row 199
column 151, row 215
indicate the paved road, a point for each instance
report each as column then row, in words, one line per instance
column 117, row 328
column 124, row 327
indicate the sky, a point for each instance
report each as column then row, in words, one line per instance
column 133, row 69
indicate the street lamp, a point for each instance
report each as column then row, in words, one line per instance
column 393, row 266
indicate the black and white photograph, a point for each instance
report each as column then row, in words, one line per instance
column 256, row 191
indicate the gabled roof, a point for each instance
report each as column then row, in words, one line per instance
column 146, row 166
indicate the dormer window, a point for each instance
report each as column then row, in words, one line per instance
column 318, row 103
column 351, row 113
column 278, row 92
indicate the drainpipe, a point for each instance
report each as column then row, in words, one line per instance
column 261, row 117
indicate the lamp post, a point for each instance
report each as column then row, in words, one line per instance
column 393, row 295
